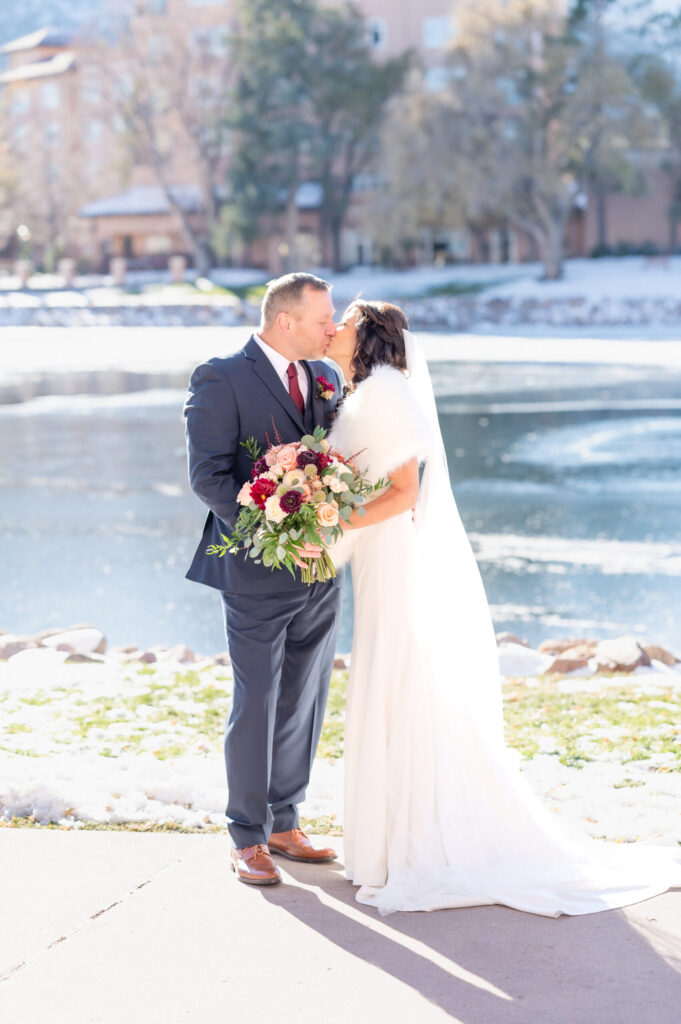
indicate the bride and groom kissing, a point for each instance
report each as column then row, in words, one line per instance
column 436, row 813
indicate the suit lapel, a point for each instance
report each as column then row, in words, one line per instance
column 267, row 374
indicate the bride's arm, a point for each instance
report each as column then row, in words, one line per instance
column 400, row 496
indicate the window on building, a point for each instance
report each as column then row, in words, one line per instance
column 49, row 95
column 509, row 89
column 212, row 42
column 154, row 244
column 368, row 182
column 93, row 130
column 437, row 32
column 51, row 133
column 91, row 89
column 19, row 134
column 436, row 79
column 377, row 33
column 21, row 102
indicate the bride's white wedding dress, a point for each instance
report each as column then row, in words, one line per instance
column 437, row 813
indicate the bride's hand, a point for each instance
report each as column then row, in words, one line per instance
column 309, row 551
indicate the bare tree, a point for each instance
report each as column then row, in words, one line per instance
column 172, row 88
column 533, row 114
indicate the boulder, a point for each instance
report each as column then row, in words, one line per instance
column 11, row 644
column 585, row 650
column 222, row 659
column 82, row 640
column 557, row 646
column 83, row 659
column 657, row 653
column 562, row 664
column 510, row 638
column 341, row 661
column 123, row 649
column 180, row 653
column 622, row 654
column 149, row 657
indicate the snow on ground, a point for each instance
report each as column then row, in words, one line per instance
column 614, row 277
column 115, row 742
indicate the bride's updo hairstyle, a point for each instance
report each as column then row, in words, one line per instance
column 380, row 341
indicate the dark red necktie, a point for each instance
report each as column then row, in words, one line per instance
column 294, row 387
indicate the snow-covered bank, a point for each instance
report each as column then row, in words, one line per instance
column 124, row 738
column 633, row 291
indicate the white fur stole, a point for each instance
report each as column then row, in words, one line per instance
column 383, row 422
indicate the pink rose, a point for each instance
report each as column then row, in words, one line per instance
column 271, row 455
column 287, row 457
column 327, row 515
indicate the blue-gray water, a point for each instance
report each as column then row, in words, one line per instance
column 568, row 480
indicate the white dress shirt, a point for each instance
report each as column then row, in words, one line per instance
column 281, row 365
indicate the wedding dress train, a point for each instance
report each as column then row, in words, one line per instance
column 437, row 813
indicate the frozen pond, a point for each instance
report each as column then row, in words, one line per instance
column 568, row 478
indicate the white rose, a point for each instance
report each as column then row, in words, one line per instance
column 273, row 510
column 334, row 484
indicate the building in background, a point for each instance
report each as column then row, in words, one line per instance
column 84, row 188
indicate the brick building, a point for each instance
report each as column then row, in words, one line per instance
column 83, row 186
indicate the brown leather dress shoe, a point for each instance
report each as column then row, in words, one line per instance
column 254, row 866
column 296, row 846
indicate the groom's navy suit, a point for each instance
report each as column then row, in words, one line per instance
column 280, row 632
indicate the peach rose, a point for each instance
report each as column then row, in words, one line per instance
column 244, row 495
column 327, row 515
column 287, row 457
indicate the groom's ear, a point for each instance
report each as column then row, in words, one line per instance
column 283, row 321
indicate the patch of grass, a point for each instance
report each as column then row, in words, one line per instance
column 106, row 826
column 457, row 288
column 20, row 753
column 324, row 826
column 331, row 739
column 633, row 724
column 251, row 293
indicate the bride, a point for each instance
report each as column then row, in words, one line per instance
column 437, row 813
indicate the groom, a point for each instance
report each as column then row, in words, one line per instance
column 281, row 633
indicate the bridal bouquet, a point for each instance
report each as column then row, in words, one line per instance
column 298, row 494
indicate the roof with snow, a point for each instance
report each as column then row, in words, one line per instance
column 43, row 37
column 143, row 200
column 56, row 65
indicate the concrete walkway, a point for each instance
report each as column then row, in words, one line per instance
column 130, row 928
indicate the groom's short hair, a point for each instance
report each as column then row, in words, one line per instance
column 285, row 293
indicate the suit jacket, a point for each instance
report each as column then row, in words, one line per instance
column 230, row 400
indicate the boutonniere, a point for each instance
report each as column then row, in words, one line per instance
column 325, row 389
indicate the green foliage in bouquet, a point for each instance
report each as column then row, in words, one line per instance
column 284, row 509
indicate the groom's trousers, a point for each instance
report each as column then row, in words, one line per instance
column 282, row 649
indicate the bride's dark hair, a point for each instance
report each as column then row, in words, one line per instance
column 380, row 341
